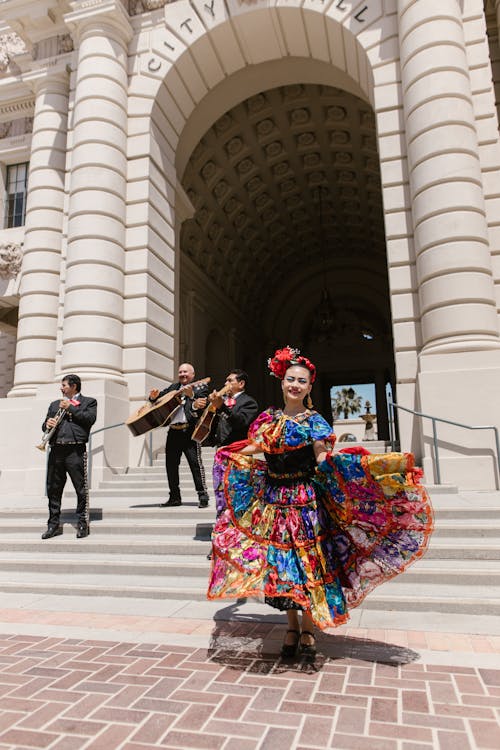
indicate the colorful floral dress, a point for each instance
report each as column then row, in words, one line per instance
column 316, row 538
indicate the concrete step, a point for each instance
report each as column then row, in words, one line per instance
column 441, row 489
column 122, row 545
column 449, row 572
column 451, row 513
column 169, row 590
column 144, row 492
column 167, row 527
column 148, row 566
column 463, row 529
column 458, row 604
column 406, row 586
column 374, row 446
column 145, row 484
column 479, row 550
column 153, row 513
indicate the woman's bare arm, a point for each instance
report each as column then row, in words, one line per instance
column 250, row 449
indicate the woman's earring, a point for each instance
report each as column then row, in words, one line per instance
column 309, row 401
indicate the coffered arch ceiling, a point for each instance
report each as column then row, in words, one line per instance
column 286, row 183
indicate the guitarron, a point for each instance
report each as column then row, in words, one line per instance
column 158, row 414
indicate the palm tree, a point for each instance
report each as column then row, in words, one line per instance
column 346, row 401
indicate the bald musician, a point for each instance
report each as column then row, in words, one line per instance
column 181, row 426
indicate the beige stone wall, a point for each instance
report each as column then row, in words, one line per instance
column 7, row 354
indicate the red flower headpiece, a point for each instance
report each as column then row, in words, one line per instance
column 285, row 358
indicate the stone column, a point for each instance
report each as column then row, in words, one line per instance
column 40, row 280
column 459, row 363
column 93, row 305
column 457, row 302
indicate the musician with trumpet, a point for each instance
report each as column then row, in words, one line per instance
column 66, row 429
column 181, row 426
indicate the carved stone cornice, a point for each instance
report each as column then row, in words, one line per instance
column 17, row 108
column 11, row 256
column 92, row 13
column 136, row 7
column 34, row 20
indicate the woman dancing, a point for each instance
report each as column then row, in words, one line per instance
column 311, row 531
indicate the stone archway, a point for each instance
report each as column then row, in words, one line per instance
column 287, row 239
column 199, row 68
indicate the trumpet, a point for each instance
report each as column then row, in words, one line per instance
column 48, row 433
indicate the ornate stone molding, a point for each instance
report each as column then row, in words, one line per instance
column 52, row 47
column 10, row 45
column 136, row 7
column 14, row 128
column 20, row 108
column 11, row 256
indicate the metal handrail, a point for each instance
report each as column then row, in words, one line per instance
column 103, row 429
column 393, row 405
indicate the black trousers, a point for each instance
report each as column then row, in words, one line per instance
column 63, row 460
column 179, row 442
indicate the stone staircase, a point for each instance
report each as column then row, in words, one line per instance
column 139, row 550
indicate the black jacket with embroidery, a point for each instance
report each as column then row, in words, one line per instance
column 232, row 423
column 76, row 423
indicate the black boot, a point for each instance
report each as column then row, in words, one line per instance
column 172, row 502
column 82, row 530
column 52, row 530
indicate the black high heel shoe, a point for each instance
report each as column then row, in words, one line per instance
column 307, row 649
column 288, row 650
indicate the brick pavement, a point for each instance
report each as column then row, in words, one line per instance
column 366, row 690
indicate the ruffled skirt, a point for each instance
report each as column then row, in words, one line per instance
column 319, row 542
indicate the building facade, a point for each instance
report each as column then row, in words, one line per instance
column 204, row 181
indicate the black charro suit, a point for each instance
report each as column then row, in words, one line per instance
column 68, row 455
column 179, row 441
column 233, row 422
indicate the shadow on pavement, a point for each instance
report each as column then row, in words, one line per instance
column 253, row 644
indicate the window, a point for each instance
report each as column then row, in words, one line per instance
column 15, row 199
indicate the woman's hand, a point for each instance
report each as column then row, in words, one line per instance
column 321, row 450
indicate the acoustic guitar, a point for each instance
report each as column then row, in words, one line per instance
column 158, row 414
column 204, row 424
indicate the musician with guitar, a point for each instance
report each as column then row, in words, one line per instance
column 179, row 441
column 235, row 412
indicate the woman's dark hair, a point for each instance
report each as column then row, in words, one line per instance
column 73, row 380
column 241, row 375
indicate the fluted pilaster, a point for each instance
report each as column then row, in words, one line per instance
column 93, row 305
column 40, row 280
column 456, row 291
